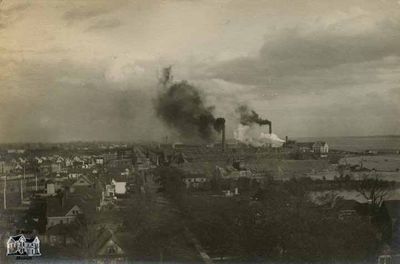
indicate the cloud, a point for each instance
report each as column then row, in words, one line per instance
column 104, row 24
column 67, row 101
column 299, row 50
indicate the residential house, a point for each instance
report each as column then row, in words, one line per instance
column 99, row 160
column 320, row 147
column 108, row 246
column 61, row 210
column 119, row 183
column 82, row 181
column 305, row 147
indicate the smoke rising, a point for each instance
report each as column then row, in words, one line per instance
column 251, row 129
column 181, row 106
column 256, row 136
column 219, row 124
column 248, row 117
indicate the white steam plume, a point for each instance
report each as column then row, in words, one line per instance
column 257, row 136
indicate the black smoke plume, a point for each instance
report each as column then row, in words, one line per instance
column 181, row 106
column 248, row 117
column 219, row 124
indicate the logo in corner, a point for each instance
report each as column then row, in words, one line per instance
column 21, row 246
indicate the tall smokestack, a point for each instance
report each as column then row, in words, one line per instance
column 270, row 127
column 219, row 125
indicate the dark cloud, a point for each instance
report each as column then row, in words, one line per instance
column 65, row 101
column 298, row 52
column 104, row 24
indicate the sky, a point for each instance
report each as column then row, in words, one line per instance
column 88, row 70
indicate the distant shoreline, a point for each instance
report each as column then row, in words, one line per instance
column 373, row 136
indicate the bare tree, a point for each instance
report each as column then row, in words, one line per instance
column 374, row 190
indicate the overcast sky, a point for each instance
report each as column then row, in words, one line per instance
column 87, row 70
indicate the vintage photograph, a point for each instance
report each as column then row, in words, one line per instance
column 200, row 131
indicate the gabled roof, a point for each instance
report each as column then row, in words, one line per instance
column 32, row 239
column 104, row 235
column 17, row 237
column 84, row 178
column 55, row 206
column 319, row 143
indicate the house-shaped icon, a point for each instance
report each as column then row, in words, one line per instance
column 21, row 246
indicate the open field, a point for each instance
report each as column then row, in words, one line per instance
column 381, row 163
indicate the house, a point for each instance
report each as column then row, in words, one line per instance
column 305, row 147
column 99, row 160
column 74, row 174
column 32, row 246
column 61, row 210
column 120, row 185
column 15, row 245
column 83, row 181
column 320, row 147
column 68, row 162
column 20, row 245
column 108, row 246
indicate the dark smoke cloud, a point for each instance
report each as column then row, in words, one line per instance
column 248, row 116
column 219, row 124
column 181, row 106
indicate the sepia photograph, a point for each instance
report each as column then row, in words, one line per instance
column 200, row 131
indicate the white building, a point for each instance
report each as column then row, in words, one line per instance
column 120, row 187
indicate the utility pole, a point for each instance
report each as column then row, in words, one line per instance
column 5, row 192
column 22, row 190
column 24, row 175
